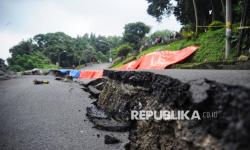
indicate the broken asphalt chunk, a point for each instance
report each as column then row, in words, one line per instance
column 111, row 140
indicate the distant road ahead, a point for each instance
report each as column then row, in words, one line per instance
column 97, row 66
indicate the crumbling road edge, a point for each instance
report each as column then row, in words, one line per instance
column 126, row 91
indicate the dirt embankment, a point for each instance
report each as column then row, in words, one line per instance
column 122, row 92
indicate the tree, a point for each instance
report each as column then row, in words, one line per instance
column 163, row 34
column 26, row 62
column 159, row 8
column 196, row 16
column 24, row 47
column 114, row 41
column 218, row 10
column 184, row 12
column 61, row 47
column 134, row 33
column 123, row 50
column 89, row 54
column 244, row 21
column 52, row 45
column 101, row 44
column 2, row 65
column 193, row 13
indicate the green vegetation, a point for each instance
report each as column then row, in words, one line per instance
column 121, row 62
column 159, row 47
column 47, row 50
column 161, row 33
column 35, row 60
column 200, row 27
column 196, row 15
column 211, row 48
column 216, row 25
column 123, row 50
column 134, row 33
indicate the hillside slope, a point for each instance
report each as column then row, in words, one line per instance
column 211, row 48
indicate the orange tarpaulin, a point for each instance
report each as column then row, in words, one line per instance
column 154, row 60
column 89, row 74
column 98, row 74
column 159, row 59
column 163, row 59
column 131, row 65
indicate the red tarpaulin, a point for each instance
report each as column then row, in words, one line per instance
column 131, row 65
column 89, row 74
column 159, row 59
column 154, row 60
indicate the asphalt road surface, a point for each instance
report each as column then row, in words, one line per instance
column 97, row 66
column 231, row 77
column 53, row 117
column 48, row 117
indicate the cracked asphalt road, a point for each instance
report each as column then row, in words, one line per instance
column 230, row 77
column 51, row 117
column 48, row 117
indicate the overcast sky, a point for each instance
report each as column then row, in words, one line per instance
column 22, row 19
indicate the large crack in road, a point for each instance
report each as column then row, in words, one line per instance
column 127, row 91
column 61, row 115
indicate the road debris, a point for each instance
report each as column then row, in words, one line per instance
column 40, row 82
column 111, row 140
column 94, row 87
column 36, row 71
column 59, row 78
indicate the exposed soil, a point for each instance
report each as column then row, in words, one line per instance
column 126, row 91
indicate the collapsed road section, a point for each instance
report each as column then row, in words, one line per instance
column 124, row 91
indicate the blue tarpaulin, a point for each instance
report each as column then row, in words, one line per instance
column 74, row 73
column 70, row 72
column 65, row 71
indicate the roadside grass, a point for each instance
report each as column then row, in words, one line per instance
column 80, row 67
column 211, row 49
column 49, row 66
column 126, row 60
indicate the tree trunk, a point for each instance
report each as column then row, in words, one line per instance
column 223, row 6
column 216, row 10
column 243, row 23
column 213, row 10
column 196, row 16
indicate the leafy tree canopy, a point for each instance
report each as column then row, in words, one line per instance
column 61, row 48
column 159, row 8
column 123, row 50
column 134, row 33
